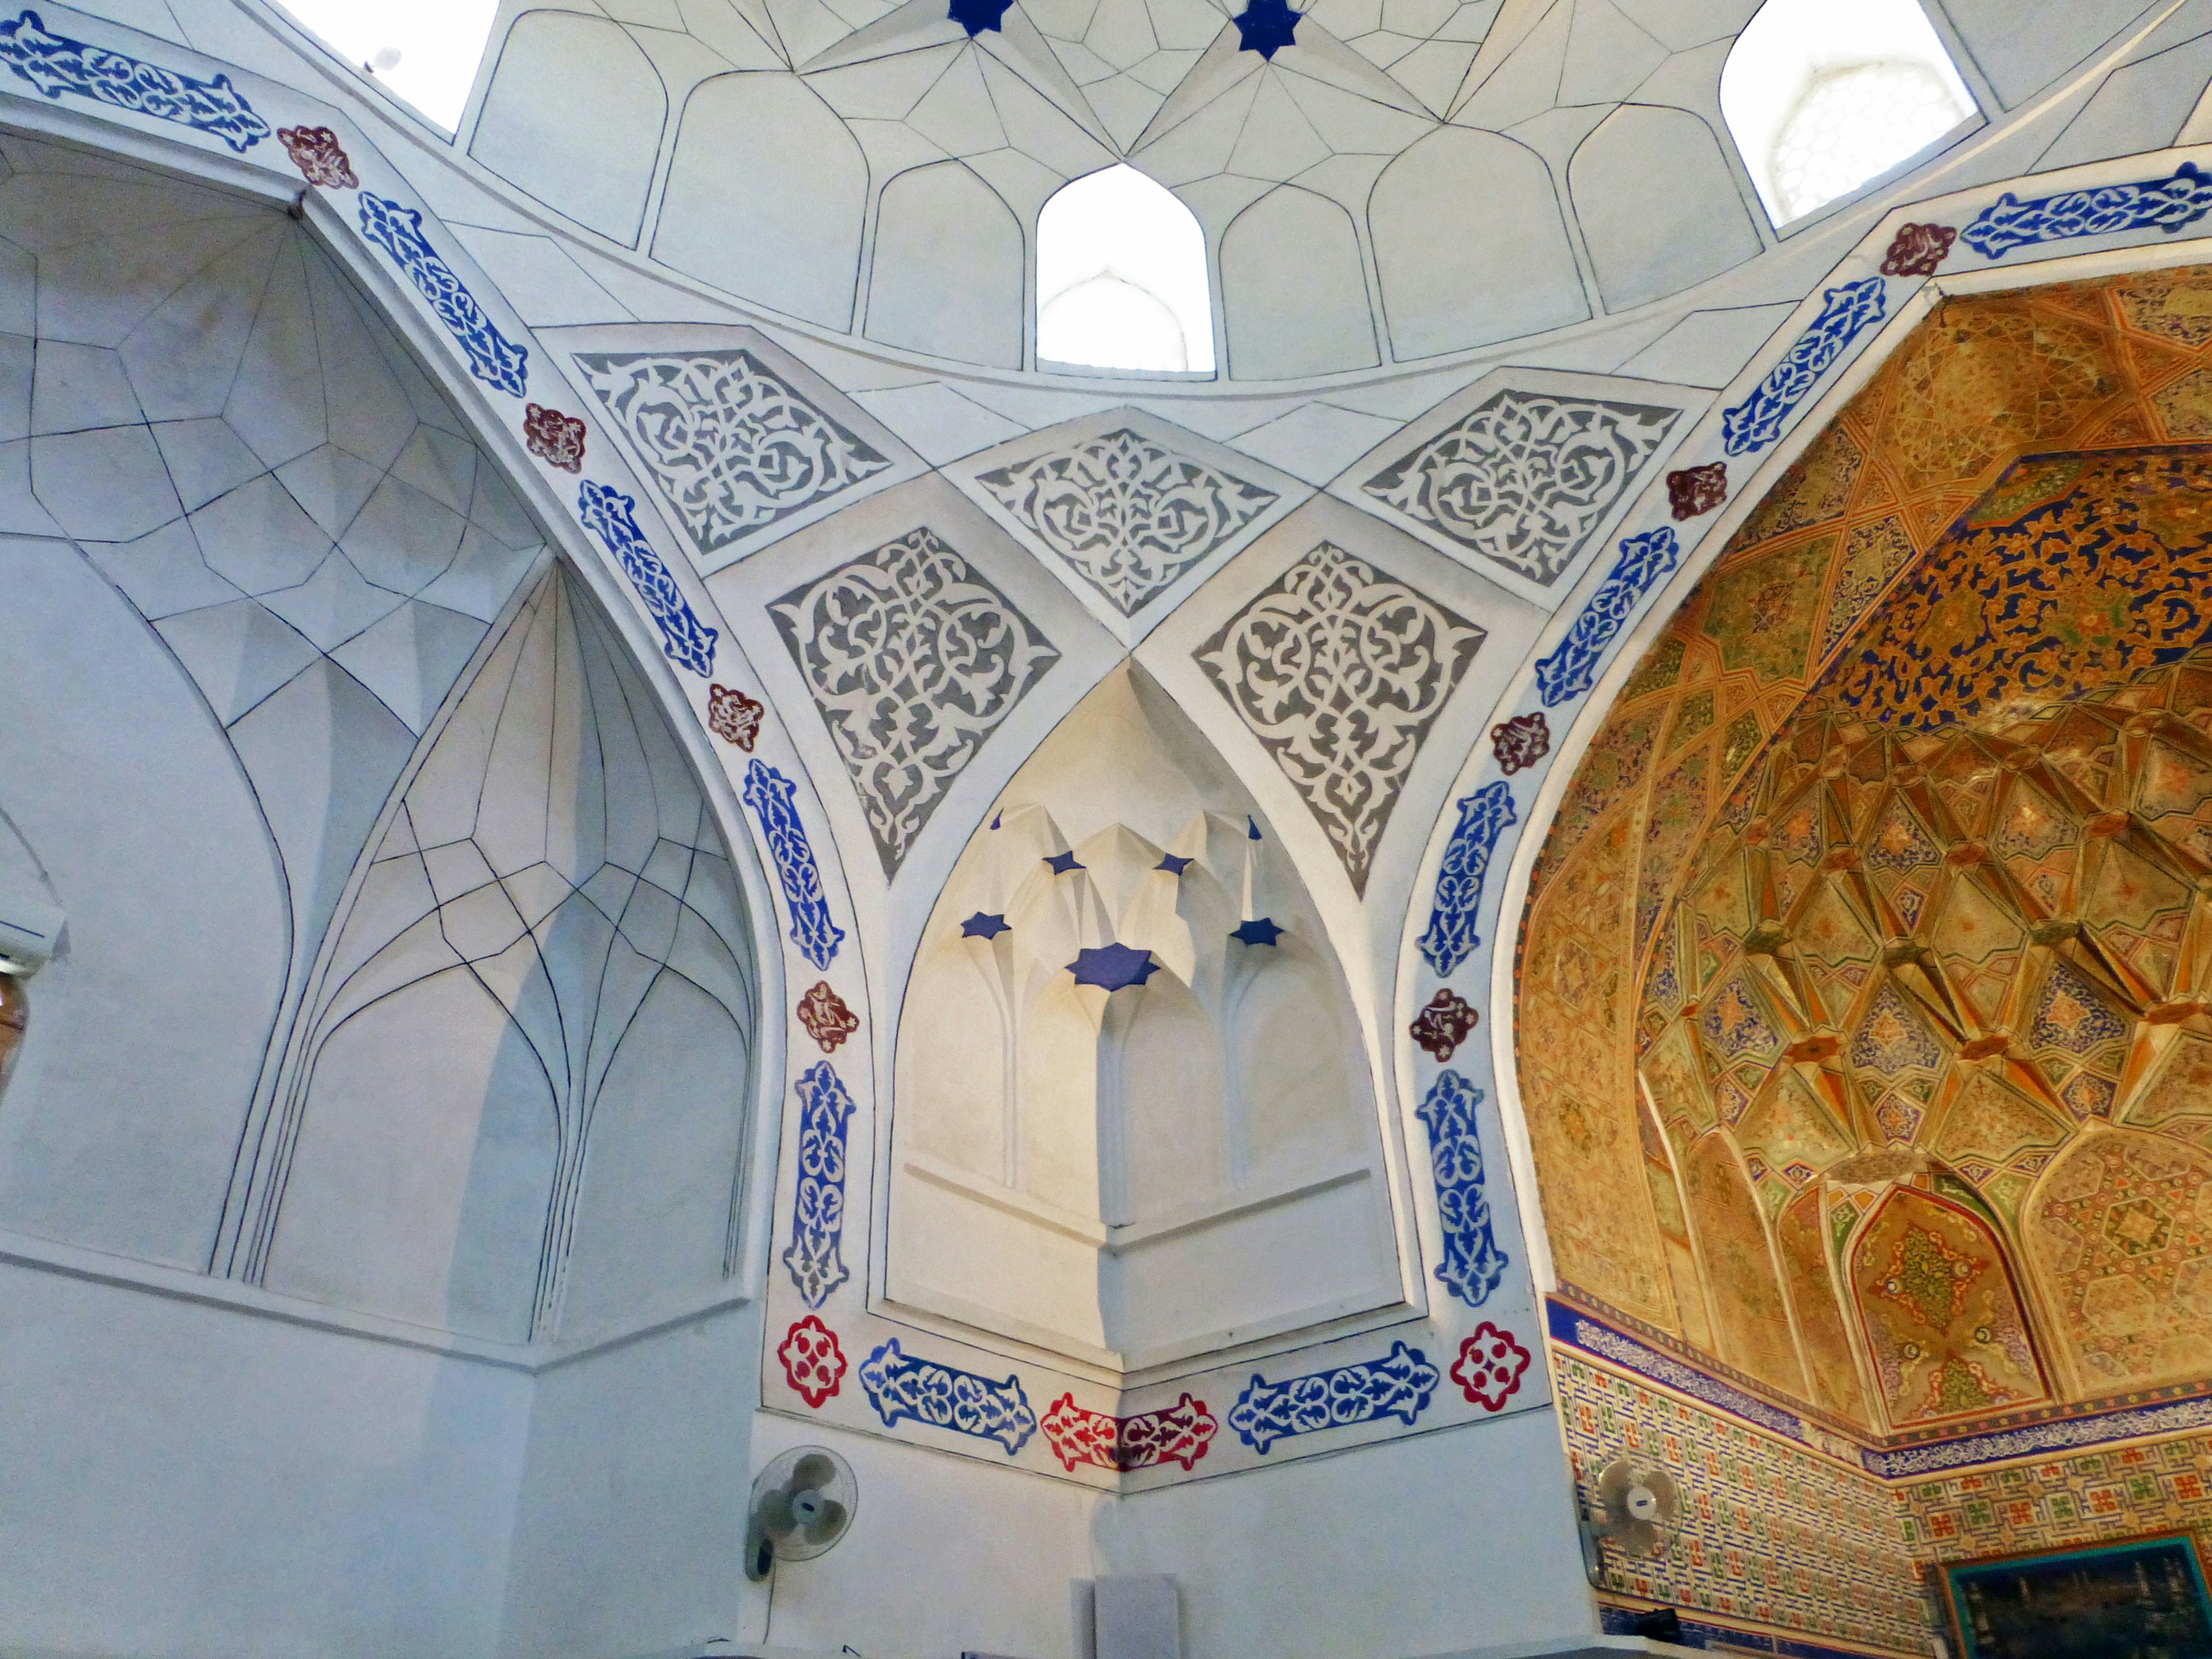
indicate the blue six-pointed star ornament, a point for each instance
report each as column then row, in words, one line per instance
column 1260, row 930
column 1266, row 26
column 976, row 16
column 984, row 925
column 1111, row 967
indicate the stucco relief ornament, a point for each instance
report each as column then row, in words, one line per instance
column 1340, row 670
column 826, row 1018
column 813, row 1360
column 1490, row 1367
column 320, row 158
column 55, row 63
column 1526, row 479
column 1129, row 515
column 1442, row 1026
column 731, row 444
column 1917, row 250
column 1696, row 490
column 733, row 717
column 1175, row 1434
column 913, row 657
column 553, row 438
column 1519, row 742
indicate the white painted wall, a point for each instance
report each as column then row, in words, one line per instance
column 182, row 1481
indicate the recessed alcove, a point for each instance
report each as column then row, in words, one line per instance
column 1135, row 1121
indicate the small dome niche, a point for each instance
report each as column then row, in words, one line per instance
column 1161, row 1138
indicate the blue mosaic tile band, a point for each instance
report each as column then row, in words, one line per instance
column 770, row 793
column 1579, row 1330
column 55, row 64
column 1845, row 313
column 1472, row 1263
column 1570, row 669
column 612, row 516
column 1451, row 937
column 2075, row 1435
column 1397, row 1385
column 493, row 358
column 903, row 1389
column 2167, row 204
column 817, row 1209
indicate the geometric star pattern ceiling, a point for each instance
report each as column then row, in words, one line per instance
column 1863, row 1020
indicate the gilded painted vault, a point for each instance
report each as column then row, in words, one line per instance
column 1864, row 1026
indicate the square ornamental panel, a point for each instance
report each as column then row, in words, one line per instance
column 1131, row 512
column 741, row 442
column 1523, row 475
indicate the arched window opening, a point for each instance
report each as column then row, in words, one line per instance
column 1821, row 98
column 1121, row 278
column 425, row 51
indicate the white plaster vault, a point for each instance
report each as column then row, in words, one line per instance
column 523, row 671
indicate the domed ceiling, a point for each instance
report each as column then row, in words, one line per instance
column 1864, row 1029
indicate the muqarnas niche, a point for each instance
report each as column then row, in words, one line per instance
column 1135, row 1118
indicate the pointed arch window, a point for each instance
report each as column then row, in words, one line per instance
column 1821, row 97
column 1120, row 279
column 423, row 52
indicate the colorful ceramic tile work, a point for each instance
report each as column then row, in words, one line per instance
column 1772, row 1534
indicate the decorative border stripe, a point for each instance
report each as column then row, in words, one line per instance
column 817, row 1207
column 493, row 358
column 1472, row 1263
column 1451, row 937
column 900, row 1387
column 770, row 793
column 2165, row 204
column 55, row 64
column 1397, row 1385
column 1846, row 314
column 613, row 517
column 1570, row 668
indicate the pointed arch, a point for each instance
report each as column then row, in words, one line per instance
column 1940, row 1309
column 1741, row 1273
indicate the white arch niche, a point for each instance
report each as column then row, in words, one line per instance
column 1120, row 277
column 1140, row 1157
column 1821, row 97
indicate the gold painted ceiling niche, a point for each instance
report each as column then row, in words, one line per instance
column 1863, row 1020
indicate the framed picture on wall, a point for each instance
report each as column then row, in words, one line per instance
column 2142, row 1598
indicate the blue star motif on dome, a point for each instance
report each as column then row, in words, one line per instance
column 1112, row 966
column 1260, row 930
column 976, row 16
column 1062, row 863
column 983, row 925
column 1267, row 27
column 1172, row 864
